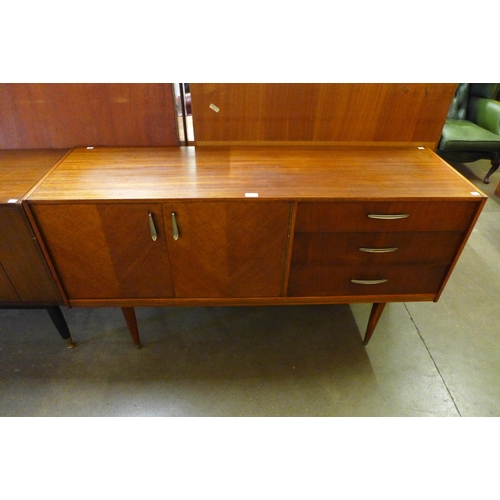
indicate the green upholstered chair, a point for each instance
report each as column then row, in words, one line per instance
column 472, row 128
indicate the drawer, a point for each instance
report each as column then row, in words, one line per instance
column 314, row 217
column 336, row 280
column 329, row 249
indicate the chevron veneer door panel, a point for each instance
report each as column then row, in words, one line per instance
column 231, row 249
column 107, row 251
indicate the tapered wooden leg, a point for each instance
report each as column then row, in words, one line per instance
column 57, row 318
column 129, row 315
column 375, row 314
column 494, row 167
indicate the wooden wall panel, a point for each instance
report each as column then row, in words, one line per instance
column 65, row 115
column 320, row 113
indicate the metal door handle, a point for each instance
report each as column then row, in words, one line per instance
column 175, row 228
column 378, row 250
column 152, row 228
column 368, row 282
column 388, row 216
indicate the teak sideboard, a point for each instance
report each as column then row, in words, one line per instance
column 202, row 226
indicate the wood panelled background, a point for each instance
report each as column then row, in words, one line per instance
column 65, row 115
column 320, row 113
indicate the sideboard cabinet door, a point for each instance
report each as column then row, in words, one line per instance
column 107, row 251
column 7, row 291
column 24, row 267
column 230, row 249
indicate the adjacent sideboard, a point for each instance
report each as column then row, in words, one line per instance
column 26, row 280
column 199, row 226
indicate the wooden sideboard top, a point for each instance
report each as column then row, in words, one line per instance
column 20, row 170
column 238, row 172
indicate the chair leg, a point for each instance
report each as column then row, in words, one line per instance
column 494, row 166
column 57, row 318
column 131, row 320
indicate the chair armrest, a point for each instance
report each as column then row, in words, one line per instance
column 485, row 113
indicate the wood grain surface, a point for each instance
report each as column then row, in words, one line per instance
column 320, row 112
column 20, row 170
column 289, row 173
column 442, row 215
column 329, row 249
column 106, row 250
column 65, row 115
column 26, row 277
column 228, row 249
column 8, row 293
column 401, row 279
column 22, row 258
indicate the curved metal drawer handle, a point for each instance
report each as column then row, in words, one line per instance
column 388, row 216
column 175, row 228
column 152, row 228
column 368, row 282
column 378, row 250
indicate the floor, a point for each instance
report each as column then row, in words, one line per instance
column 424, row 359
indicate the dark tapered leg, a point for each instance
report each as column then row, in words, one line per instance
column 377, row 309
column 494, row 167
column 129, row 314
column 57, row 318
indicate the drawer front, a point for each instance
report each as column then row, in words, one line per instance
column 314, row 217
column 381, row 280
column 330, row 249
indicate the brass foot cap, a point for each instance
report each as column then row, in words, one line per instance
column 70, row 344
